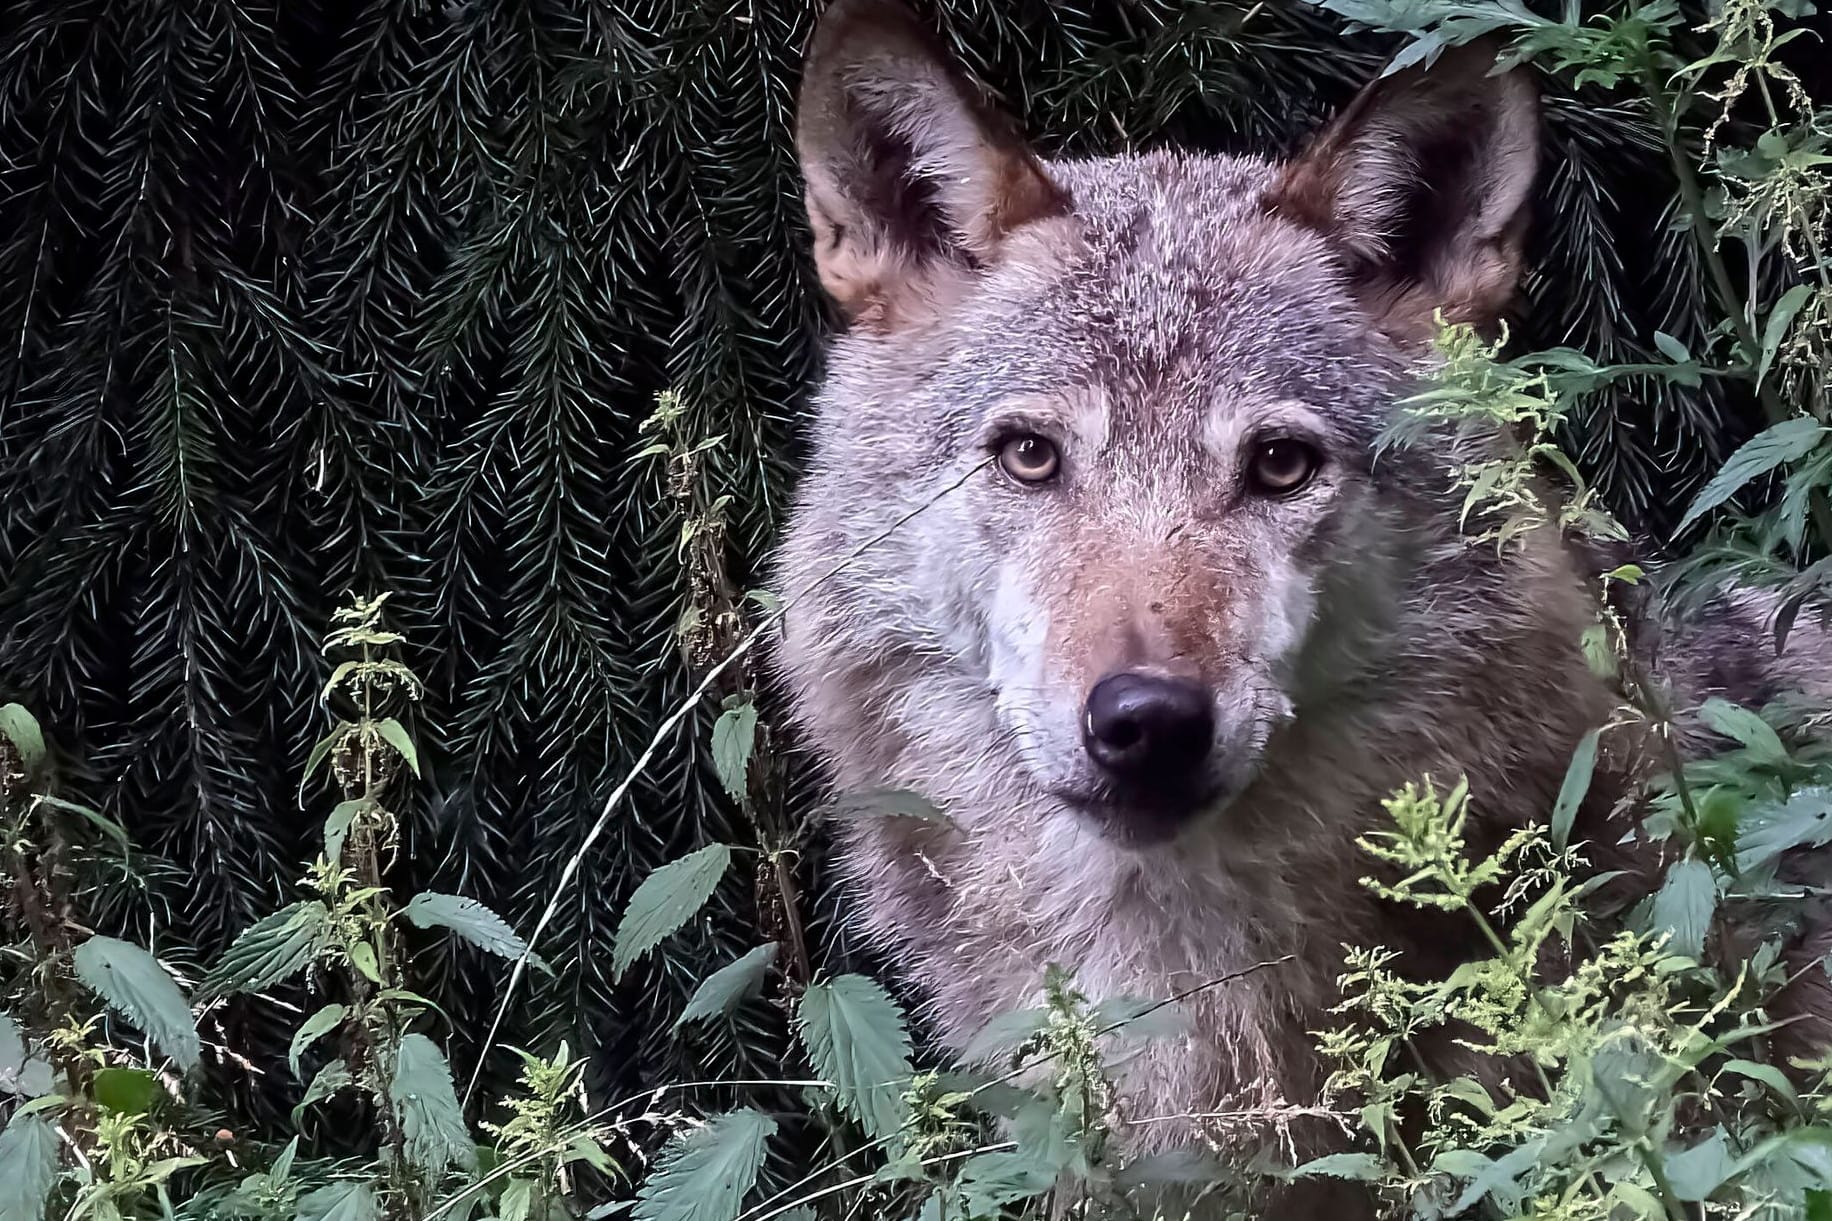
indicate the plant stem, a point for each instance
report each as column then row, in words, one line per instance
column 1692, row 196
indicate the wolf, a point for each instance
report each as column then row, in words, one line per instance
column 1098, row 549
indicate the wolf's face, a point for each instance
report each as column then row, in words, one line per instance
column 1137, row 403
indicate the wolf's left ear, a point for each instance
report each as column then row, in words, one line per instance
column 912, row 179
column 1424, row 183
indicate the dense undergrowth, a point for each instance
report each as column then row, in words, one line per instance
column 1653, row 1086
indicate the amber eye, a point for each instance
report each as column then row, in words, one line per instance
column 1280, row 466
column 1029, row 459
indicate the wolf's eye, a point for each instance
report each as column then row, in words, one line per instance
column 1280, row 466
column 1029, row 458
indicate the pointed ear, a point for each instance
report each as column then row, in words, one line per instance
column 1424, row 184
column 911, row 177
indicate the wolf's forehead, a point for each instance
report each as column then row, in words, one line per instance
column 1181, row 277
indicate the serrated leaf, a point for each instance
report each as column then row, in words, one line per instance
column 1756, row 736
column 1684, row 905
column 720, row 992
column 331, row 1078
column 426, row 1107
column 886, row 803
column 125, row 1091
column 467, row 918
column 705, row 1175
column 989, row 1181
column 665, row 901
column 1357, row 1167
column 734, row 737
column 1766, row 832
column 28, row 1167
column 1788, row 441
column 1697, row 1172
column 395, row 734
column 21, row 729
column 311, row 1030
column 340, row 1202
column 132, row 983
column 337, row 826
column 1571, row 793
column 857, row 1039
column 1775, row 326
column 1003, row 1034
column 271, row 949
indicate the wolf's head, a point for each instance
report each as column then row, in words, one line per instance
column 1133, row 406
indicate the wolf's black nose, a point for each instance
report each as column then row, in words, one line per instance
column 1148, row 730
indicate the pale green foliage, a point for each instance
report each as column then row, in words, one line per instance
column 705, row 1173
column 666, row 900
column 1622, row 1045
column 855, row 1034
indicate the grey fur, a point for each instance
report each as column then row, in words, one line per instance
column 1150, row 317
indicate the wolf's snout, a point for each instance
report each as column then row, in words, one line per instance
column 1148, row 731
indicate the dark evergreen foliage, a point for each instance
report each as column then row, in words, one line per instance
column 315, row 297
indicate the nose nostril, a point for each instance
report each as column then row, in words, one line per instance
column 1122, row 734
column 1141, row 727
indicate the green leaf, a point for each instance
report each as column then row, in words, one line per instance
column 734, row 736
column 337, row 826
column 331, row 1078
column 1003, row 1034
column 271, row 949
column 467, row 918
column 705, row 1175
column 886, row 803
column 20, row 1073
column 1358, row 1167
column 132, row 983
column 666, row 900
column 1819, row 1204
column 125, row 1091
column 1577, row 783
column 362, row 957
column 396, row 736
column 720, row 992
column 1781, row 443
column 323, row 748
column 1671, row 348
column 426, row 1107
column 1766, row 832
column 857, row 1038
column 349, row 1201
column 94, row 818
column 28, row 1167
column 1599, row 651
column 989, row 1181
column 312, row 1029
column 1768, row 1075
column 1697, row 1172
column 1733, row 721
column 1685, row 904
column 1775, row 327
column 21, row 729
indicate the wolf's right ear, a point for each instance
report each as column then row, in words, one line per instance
column 910, row 176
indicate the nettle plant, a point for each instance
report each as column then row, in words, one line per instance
column 102, row 1127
